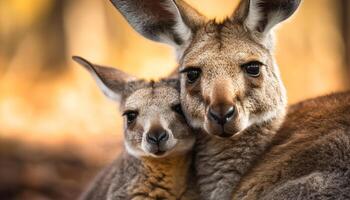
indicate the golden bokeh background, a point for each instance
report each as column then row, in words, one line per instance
column 53, row 118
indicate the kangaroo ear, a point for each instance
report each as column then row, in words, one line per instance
column 161, row 20
column 263, row 15
column 110, row 80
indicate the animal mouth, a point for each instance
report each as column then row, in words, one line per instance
column 159, row 153
column 225, row 135
column 221, row 132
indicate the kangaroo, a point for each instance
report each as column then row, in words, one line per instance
column 309, row 157
column 248, row 148
column 156, row 162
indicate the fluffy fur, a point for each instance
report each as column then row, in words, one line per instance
column 221, row 162
column 147, row 169
column 258, row 161
column 309, row 157
column 146, row 178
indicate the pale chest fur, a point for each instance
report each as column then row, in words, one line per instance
column 152, row 179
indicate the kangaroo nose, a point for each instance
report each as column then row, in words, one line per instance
column 221, row 114
column 156, row 137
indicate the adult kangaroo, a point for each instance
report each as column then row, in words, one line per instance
column 231, row 90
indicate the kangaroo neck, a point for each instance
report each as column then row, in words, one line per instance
column 164, row 176
column 222, row 162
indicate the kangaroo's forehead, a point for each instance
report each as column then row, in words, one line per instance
column 224, row 44
column 152, row 96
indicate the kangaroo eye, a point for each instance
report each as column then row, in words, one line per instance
column 192, row 74
column 178, row 109
column 130, row 116
column 252, row 68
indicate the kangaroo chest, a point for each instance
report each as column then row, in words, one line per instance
column 220, row 163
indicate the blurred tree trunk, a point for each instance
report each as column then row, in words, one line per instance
column 34, row 36
column 52, row 33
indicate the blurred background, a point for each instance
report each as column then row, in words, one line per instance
column 56, row 128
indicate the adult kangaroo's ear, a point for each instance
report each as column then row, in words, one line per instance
column 263, row 15
column 110, row 80
column 165, row 21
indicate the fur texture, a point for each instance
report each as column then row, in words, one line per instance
column 246, row 153
column 157, row 160
column 309, row 158
column 224, row 156
column 146, row 178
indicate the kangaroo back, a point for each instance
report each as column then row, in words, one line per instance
column 309, row 156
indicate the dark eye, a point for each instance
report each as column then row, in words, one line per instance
column 177, row 108
column 252, row 68
column 192, row 74
column 130, row 116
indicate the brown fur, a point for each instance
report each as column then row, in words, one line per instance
column 219, row 49
column 146, row 169
column 309, row 157
column 146, row 178
column 248, row 145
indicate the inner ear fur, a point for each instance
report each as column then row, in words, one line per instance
column 110, row 80
column 166, row 21
column 262, row 15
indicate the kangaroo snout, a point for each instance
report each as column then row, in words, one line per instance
column 157, row 140
column 222, row 120
column 221, row 114
column 157, row 137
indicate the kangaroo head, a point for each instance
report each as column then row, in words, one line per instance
column 154, row 122
column 229, row 77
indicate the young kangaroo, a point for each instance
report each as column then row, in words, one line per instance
column 158, row 141
column 231, row 88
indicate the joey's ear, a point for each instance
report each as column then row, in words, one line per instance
column 167, row 21
column 263, row 15
column 110, row 80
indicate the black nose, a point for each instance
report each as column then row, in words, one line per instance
column 156, row 137
column 222, row 114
